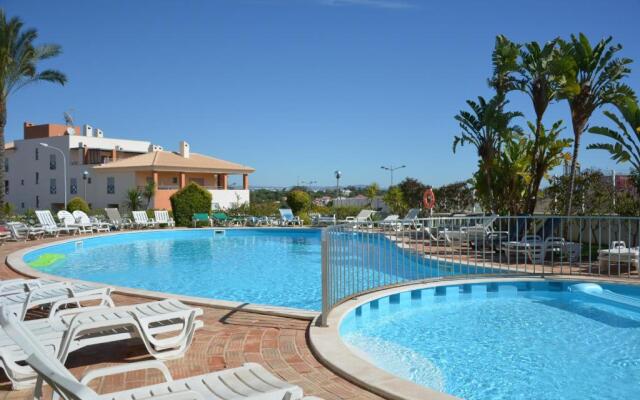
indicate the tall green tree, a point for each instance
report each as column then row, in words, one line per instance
column 371, row 192
column 412, row 190
column 394, row 199
column 485, row 128
column 539, row 83
column 590, row 77
column 19, row 59
column 626, row 139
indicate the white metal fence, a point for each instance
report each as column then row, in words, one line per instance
column 364, row 256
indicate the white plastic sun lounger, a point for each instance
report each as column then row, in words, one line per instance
column 250, row 381
column 532, row 246
column 67, row 220
column 116, row 219
column 19, row 302
column 363, row 217
column 69, row 330
column 83, row 219
column 20, row 231
column 162, row 217
column 389, row 221
column 45, row 218
column 619, row 255
column 287, row 217
column 141, row 219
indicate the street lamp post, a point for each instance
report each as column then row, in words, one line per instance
column 391, row 168
column 64, row 169
column 85, row 178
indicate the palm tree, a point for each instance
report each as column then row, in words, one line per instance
column 371, row 192
column 148, row 191
column 18, row 67
column 591, row 76
column 505, row 62
column 134, row 199
column 626, row 146
column 538, row 82
column 485, row 128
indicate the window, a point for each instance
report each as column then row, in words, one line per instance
column 6, row 187
column 52, row 161
column 37, row 201
column 174, row 180
column 37, row 155
column 37, row 178
column 52, row 186
column 199, row 181
column 21, row 182
column 22, row 205
column 73, row 186
column 111, row 185
column 6, row 165
column 89, row 181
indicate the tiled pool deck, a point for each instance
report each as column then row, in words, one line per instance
column 228, row 339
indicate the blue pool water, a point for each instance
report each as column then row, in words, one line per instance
column 280, row 267
column 264, row 266
column 524, row 340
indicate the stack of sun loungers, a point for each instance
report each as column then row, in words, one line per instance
column 34, row 351
column 619, row 256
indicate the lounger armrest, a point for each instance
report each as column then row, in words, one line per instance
column 56, row 311
column 124, row 368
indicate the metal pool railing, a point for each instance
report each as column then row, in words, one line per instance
column 360, row 257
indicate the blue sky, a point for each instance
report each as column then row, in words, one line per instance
column 299, row 88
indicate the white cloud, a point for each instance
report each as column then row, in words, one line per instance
column 369, row 3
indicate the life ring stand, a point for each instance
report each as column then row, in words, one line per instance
column 429, row 199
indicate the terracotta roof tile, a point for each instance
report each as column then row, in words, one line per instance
column 166, row 160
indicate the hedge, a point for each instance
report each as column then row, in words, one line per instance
column 188, row 201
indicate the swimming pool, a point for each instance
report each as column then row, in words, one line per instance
column 269, row 266
column 506, row 340
column 278, row 267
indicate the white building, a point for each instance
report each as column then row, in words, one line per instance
column 102, row 170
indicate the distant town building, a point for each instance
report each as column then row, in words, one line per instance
column 102, row 169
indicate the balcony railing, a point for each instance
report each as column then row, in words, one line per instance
column 363, row 256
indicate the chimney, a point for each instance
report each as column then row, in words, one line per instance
column 184, row 149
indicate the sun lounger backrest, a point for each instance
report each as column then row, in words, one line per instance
column 114, row 215
column 82, row 217
column 140, row 216
column 286, row 214
column 162, row 216
column 48, row 367
column 364, row 215
column 412, row 214
column 66, row 217
column 618, row 245
column 46, row 218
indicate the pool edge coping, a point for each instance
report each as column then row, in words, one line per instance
column 333, row 353
column 16, row 263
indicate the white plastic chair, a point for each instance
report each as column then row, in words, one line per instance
column 162, row 217
column 251, row 380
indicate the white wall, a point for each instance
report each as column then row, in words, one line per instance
column 23, row 166
column 228, row 198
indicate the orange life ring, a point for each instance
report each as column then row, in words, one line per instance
column 429, row 199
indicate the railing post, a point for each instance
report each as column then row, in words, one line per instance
column 325, row 279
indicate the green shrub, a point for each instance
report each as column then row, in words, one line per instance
column 346, row 211
column 188, row 201
column 298, row 200
column 78, row 203
column 304, row 216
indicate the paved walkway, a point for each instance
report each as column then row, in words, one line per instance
column 228, row 339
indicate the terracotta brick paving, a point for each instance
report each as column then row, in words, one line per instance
column 228, row 339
